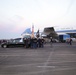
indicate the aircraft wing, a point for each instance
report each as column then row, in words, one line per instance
column 50, row 32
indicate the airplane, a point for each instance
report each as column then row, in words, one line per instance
column 62, row 34
column 48, row 32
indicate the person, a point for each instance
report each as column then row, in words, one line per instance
column 35, row 43
column 39, row 42
column 70, row 41
column 51, row 41
column 31, row 42
column 42, row 42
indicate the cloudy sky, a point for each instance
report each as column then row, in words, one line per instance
column 17, row 15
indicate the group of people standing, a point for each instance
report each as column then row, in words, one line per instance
column 33, row 42
column 39, row 42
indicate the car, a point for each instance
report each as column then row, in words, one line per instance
column 13, row 43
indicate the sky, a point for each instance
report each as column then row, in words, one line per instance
column 18, row 15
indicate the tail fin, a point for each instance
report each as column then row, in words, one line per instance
column 28, row 30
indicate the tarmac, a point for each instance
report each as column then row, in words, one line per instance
column 58, row 59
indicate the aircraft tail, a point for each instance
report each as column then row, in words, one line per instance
column 27, row 31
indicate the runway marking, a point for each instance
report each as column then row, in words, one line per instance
column 37, row 65
column 26, row 55
column 46, row 66
column 47, row 61
column 12, row 55
column 63, row 62
column 23, row 65
column 65, row 68
column 38, row 72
